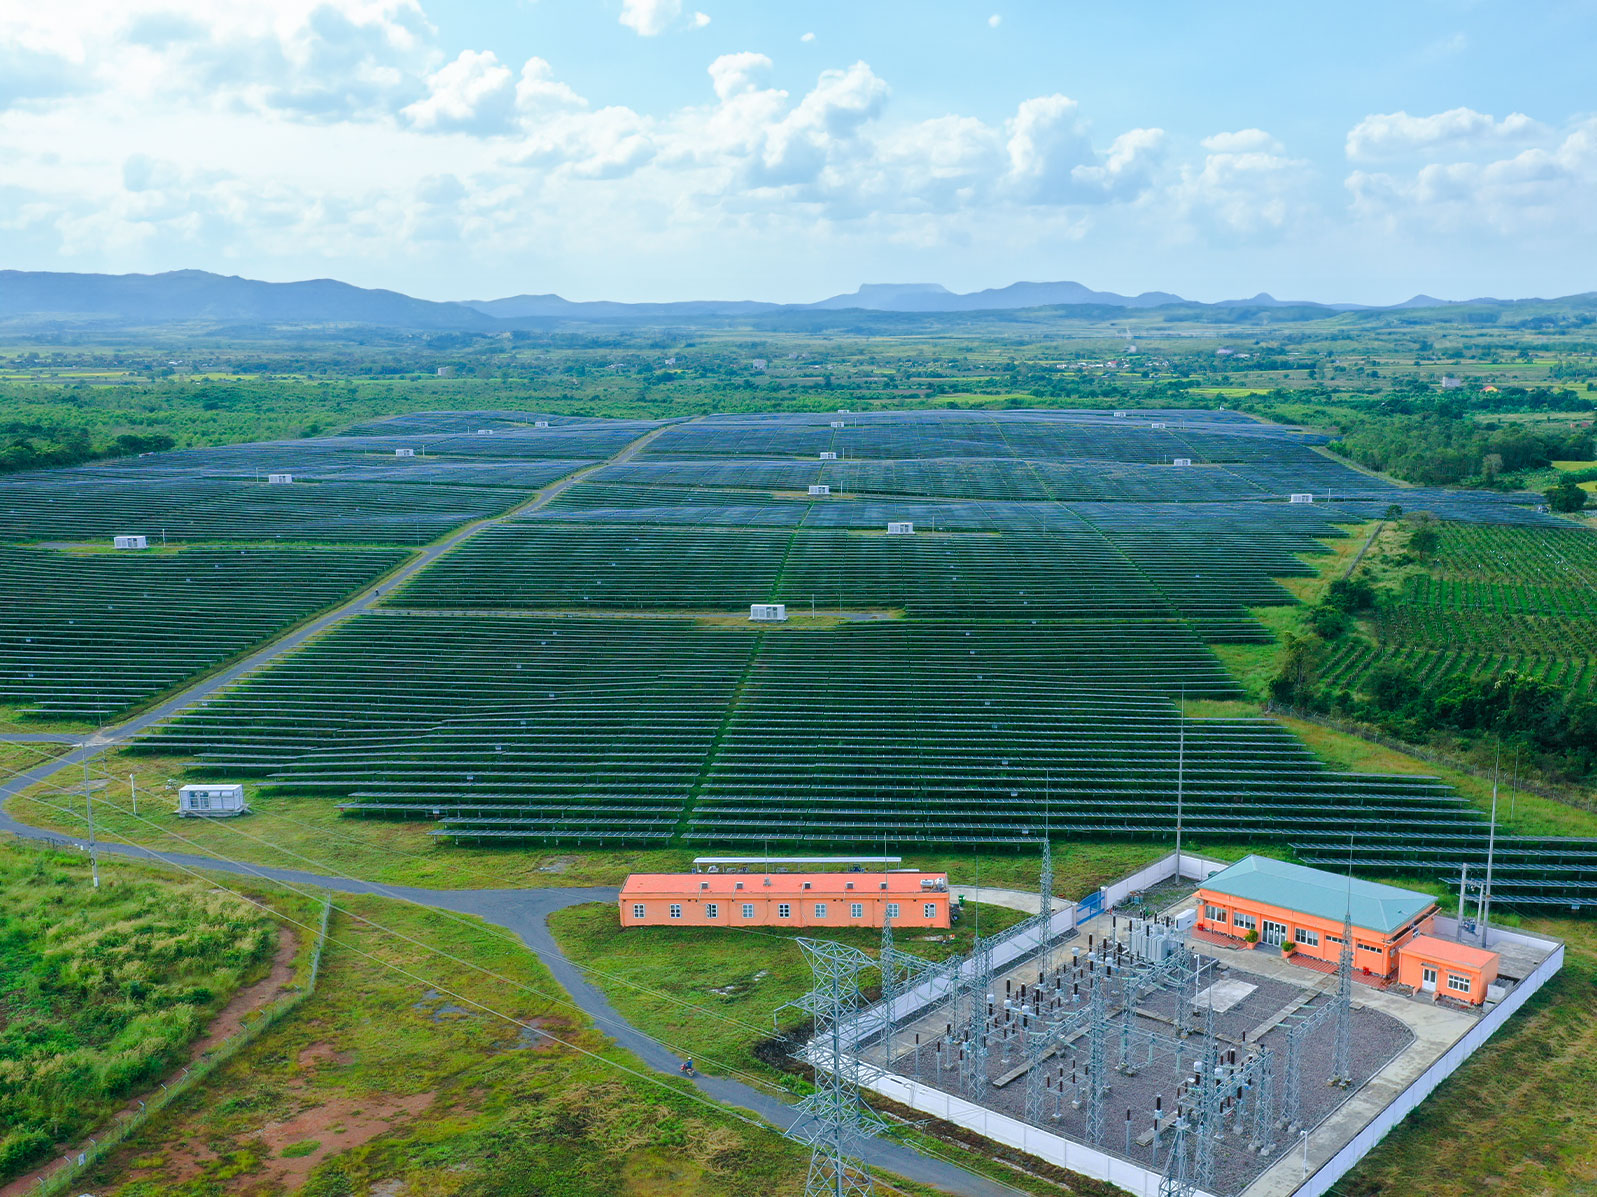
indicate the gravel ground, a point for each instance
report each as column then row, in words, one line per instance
column 1376, row 1039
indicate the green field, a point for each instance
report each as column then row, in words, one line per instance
column 103, row 989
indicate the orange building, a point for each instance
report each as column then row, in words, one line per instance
column 911, row 898
column 1427, row 964
column 1282, row 903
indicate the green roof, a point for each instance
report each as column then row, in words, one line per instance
column 1375, row 907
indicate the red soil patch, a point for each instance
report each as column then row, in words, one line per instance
column 336, row 1125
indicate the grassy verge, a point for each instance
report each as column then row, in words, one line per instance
column 103, row 989
column 1516, row 1120
column 386, row 1083
column 716, row 993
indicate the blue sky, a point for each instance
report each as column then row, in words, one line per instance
column 665, row 149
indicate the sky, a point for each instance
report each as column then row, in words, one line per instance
column 693, row 149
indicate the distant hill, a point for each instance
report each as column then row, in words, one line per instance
column 934, row 297
column 184, row 296
column 46, row 300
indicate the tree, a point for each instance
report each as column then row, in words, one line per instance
column 1566, row 496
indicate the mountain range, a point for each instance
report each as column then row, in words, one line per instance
column 46, row 299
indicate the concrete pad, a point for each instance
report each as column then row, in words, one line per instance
column 1222, row 995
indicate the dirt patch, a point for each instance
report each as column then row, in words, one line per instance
column 334, row 1126
column 277, row 981
column 319, row 1055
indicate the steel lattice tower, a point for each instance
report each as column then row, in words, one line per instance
column 981, row 976
column 1177, row 1178
column 1097, row 1063
column 834, row 1120
column 1342, row 1059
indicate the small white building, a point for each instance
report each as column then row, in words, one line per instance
column 845, row 411
column 900, row 528
column 768, row 612
column 1156, row 424
column 404, row 452
column 837, row 423
column 1181, row 461
column 279, row 479
column 485, row 432
column 1120, row 415
column 540, row 423
column 211, row 800
column 130, row 542
column 828, row 456
column 820, row 490
column 1302, row 499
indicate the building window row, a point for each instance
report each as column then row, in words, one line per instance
column 785, row 910
column 1245, row 921
column 1457, row 983
column 1214, row 914
column 1307, row 938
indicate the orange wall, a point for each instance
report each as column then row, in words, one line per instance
column 801, row 910
column 1411, row 960
column 1381, row 963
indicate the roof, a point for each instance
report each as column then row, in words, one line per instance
column 711, row 885
column 1375, row 907
column 785, row 860
column 1447, row 951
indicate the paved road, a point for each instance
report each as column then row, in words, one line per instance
column 359, row 604
column 525, row 912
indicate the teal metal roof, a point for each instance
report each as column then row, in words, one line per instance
column 1375, row 907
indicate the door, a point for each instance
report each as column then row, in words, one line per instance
column 1274, row 933
column 1427, row 979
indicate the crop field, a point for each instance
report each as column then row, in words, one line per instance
column 1488, row 599
column 87, row 636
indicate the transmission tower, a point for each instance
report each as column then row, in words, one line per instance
column 1045, row 886
column 1097, row 1053
column 975, row 1078
column 890, row 974
column 1176, row 1180
column 1342, row 1058
column 834, row 1120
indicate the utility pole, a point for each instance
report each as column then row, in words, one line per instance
column 1181, row 773
column 88, row 801
column 133, row 786
column 1491, row 848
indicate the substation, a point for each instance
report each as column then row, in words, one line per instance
column 1132, row 1050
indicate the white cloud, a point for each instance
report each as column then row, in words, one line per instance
column 731, row 74
column 474, row 93
column 994, row 21
column 538, row 92
column 1544, row 189
column 1052, row 159
column 1243, row 141
column 1458, row 130
column 806, row 37
column 1245, row 188
column 650, row 18
column 700, row 20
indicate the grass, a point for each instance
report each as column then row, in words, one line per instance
column 715, row 994
column 1516, row 1119
column 103, row 989
column 383, row 1079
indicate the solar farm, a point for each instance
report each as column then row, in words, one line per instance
column 580, row 669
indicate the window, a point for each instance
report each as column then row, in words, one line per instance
column 1336, row 939
column 1307, row 938
column 748, row 910
column 1457, row 983
column 738, row 885
column 1364, row 947
column 892, row 910
column 676, row 911
column 1214, row 914
column 1245, row 921
column 856, row 910
column 806, row 885
column 637, row 910
column 820, row 910
column 783, row 910
column 712, row 910
column 929, row 910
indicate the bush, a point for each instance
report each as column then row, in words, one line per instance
column 1252, row 936
column 1566, row 497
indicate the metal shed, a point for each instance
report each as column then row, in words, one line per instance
column 211, row 800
